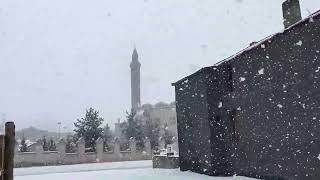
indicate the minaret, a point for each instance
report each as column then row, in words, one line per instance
column 135, row 81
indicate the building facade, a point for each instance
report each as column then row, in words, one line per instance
column 162, row 114
column 256, row 113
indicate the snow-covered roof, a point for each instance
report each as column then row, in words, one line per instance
column 259, row 43
column 253, row 45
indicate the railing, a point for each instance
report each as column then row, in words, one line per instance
column 61, row 157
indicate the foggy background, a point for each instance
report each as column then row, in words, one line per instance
column 59, row 57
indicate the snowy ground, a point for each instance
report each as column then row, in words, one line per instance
column 133, row 170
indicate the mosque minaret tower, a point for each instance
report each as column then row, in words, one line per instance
column 135, row 81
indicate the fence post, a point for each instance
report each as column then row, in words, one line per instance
column 62, row 150
column 162, row 143
column 81, row 149
column 99, row 149
column 38, row 148
column 175, row 144
column 133, row 148
column 9, row 150
column 16, row 148
column 147, row 147
column 116, row 148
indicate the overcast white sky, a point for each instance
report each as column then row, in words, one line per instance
column 58, row 57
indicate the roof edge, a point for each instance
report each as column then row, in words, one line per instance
column 258, row 43
column 193, row 74
column 315, row 14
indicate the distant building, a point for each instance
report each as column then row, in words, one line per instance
column 256, row 113
column 161, row 113
column 118, row 130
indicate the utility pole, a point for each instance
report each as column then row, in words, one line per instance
column 9, row 150
column 59, row 131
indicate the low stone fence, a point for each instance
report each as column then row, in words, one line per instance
column 60, row 157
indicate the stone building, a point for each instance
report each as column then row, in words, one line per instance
column 256, row 113
column 162, row 114
column 118, row 130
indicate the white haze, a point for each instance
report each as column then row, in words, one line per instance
column 58, row 57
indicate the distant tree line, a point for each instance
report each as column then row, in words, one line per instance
column 90, row 128
column 133, row 127
column 47, row 146
column 23, row 145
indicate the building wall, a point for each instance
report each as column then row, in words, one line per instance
column 218, row 89
column 193, row 125
column 164, row 115
column 276, row 89
column 267, row 101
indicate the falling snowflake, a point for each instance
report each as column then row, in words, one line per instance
column 143, row 152
column 299, row 43
column 220, row 105
column 261, row 71
column 311, row 19
column 280, row 106
column 319, row 157
column 242, row 79
column 263, row 46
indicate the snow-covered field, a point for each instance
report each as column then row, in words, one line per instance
column 133, row 170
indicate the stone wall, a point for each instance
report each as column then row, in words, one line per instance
column 256, row 114
column 43, row 158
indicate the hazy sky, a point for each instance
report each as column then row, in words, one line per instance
column 59, row 57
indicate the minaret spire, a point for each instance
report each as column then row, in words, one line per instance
column 135, row 81
column 135, row 55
